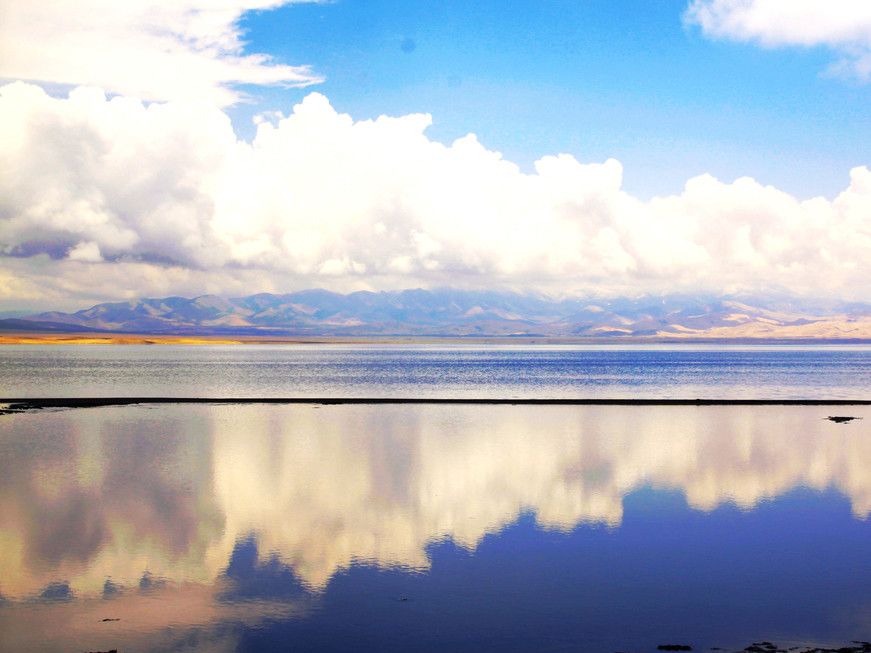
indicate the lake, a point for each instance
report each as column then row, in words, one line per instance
column 433, row 527
column 470, row 371
column 428, row 527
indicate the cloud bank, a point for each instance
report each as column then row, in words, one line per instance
column 152, row 49
column 111, row 198
column 843, row 25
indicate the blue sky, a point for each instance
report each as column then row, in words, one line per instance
column 594, row 78
column 621, row 147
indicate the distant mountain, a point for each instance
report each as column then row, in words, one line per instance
column 19, row 325
column 466, row 313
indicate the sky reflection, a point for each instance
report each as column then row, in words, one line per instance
column 179, row 517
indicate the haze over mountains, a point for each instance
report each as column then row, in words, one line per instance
column 461, row 313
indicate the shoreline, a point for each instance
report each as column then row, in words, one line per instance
column 114, row 338
column 23, row 404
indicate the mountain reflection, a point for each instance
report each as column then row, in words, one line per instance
column 130, row 497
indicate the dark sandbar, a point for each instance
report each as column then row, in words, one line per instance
column 19, row 404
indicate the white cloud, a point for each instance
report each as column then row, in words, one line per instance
column 152, row 49
column 172, row 202
column 843, row 25
column 86, row 251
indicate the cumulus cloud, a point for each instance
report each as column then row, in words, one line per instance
column 152, row 49
column 843, row 25
column 164, row 198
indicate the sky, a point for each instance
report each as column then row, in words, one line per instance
column 183, row 147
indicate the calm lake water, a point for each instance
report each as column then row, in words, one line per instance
column 433, row 528
column 502, row 371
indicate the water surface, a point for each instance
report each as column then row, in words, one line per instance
column 433, row 528
column 471, row 371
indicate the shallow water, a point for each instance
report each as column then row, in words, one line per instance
column 433, row 528
column 478, row 371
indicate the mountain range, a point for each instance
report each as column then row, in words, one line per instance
column 462, row 313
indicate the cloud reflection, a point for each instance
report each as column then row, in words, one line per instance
column 108, row 497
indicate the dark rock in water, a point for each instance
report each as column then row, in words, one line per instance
column 674, row 647
column 841, row 419
column 767, row 647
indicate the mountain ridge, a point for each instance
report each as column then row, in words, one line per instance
column 466, row 313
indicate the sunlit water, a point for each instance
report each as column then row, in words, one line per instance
column 433, row 528
column 502, row 371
